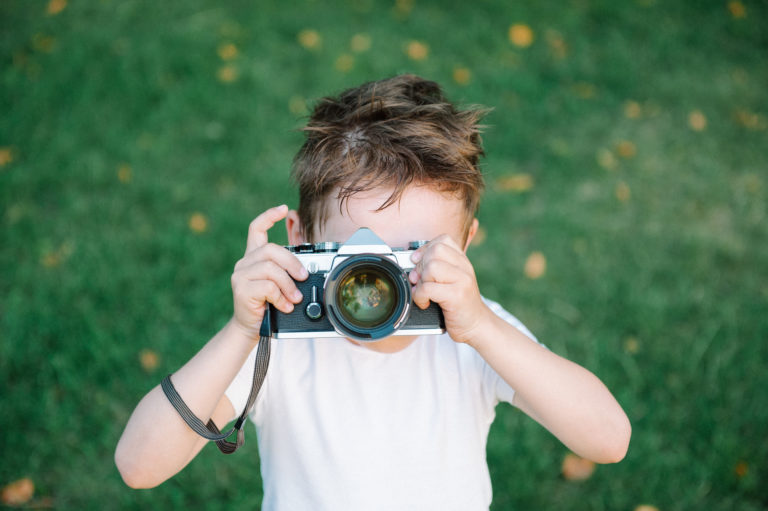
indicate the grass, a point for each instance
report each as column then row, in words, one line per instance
column 640, row 126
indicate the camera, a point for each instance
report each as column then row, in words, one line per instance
column 357, row 289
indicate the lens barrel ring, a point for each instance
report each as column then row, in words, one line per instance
column 358, row 264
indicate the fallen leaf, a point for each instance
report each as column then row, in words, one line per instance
column 360, row 43
column 576, row 468
column 227, row 51
column 18, row 492
column 515, row 183
column 737, row 9
column 697, row 121
column 55, row 7
column 149, row 360
column 417, row 50
column 535, row 265
column 298, row 105
column 521, row 35
column 583, row 89
column 646, row 507
column 741, row 469
column 198, row 223
column 344, row 63
column 631, row 345
column 403, row 7
column 556, row 44
column 227, row 74
column 310, row 39
column 626, row 149
column 124, row 173
column 632, row 109
column 6, row 156
column 606, row 159
column 462, row 75
column 623, row 192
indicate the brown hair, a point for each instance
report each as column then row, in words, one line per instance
column 394, row 133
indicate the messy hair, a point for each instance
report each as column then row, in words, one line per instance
column 389, row 133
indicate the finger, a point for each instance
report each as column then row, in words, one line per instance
column 280, row 255
column 269, row 270
column 426, row 292
column 257, row 231
column 258, row 291
column 437, row 270
column 441, row 248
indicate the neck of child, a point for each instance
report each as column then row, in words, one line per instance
column 391, row 344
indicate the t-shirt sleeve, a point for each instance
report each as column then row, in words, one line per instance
column 240, row 388
column 499, row 389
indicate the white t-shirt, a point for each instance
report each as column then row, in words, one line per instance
column 343, row 427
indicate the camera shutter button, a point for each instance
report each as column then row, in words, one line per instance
column 314, row 310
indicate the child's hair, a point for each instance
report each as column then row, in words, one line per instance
column 390, row 133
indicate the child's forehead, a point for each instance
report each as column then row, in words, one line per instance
column 420, row 212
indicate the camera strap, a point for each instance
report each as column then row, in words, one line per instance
column 210, row 431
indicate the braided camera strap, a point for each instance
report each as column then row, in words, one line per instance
column 210, row 431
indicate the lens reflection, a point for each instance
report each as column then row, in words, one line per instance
column 366, row 297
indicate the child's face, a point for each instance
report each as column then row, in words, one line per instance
column 421, row 214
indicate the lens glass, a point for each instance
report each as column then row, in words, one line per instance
column 366, row 296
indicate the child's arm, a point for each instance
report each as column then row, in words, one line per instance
column 156, row 442
column 568, row 400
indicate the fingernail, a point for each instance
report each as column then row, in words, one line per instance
column 297, row 295
column 416, row 257
column 303, row 273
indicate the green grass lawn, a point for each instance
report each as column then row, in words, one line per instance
column 627, row 145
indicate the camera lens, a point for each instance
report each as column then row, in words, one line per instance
column 368, row 297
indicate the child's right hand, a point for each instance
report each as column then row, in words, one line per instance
column 264, row 274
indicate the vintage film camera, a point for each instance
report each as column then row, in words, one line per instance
column 358, row 289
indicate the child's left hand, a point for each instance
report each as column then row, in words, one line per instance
column 444, row 275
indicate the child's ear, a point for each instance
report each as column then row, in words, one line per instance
column 471, row 233
column 293, row 227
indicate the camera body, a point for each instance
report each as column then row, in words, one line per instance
column 358, row 289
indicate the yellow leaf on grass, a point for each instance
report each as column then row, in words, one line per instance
column 462, row 75
column 697, row 121
column 149, row 360
column 55, row 7
column 360, row 43
column 576, row 468
column 18, row 492
column 737, row 9
column 310, row 39
column 124, row 173
column 521, row 35
column 741, row 469
column 535, row 265
column 626, row 149
column 344, row 63
column 198, row 222
column 606, row 159
column 623, row 192
column 227, row 74
column 6, row 156
column 632, row 109
column 227, row 51
column 417, row 50
column 515, row 183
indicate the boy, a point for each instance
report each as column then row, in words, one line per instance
column 400, row 423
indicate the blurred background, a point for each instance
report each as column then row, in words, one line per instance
column 624, row 221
